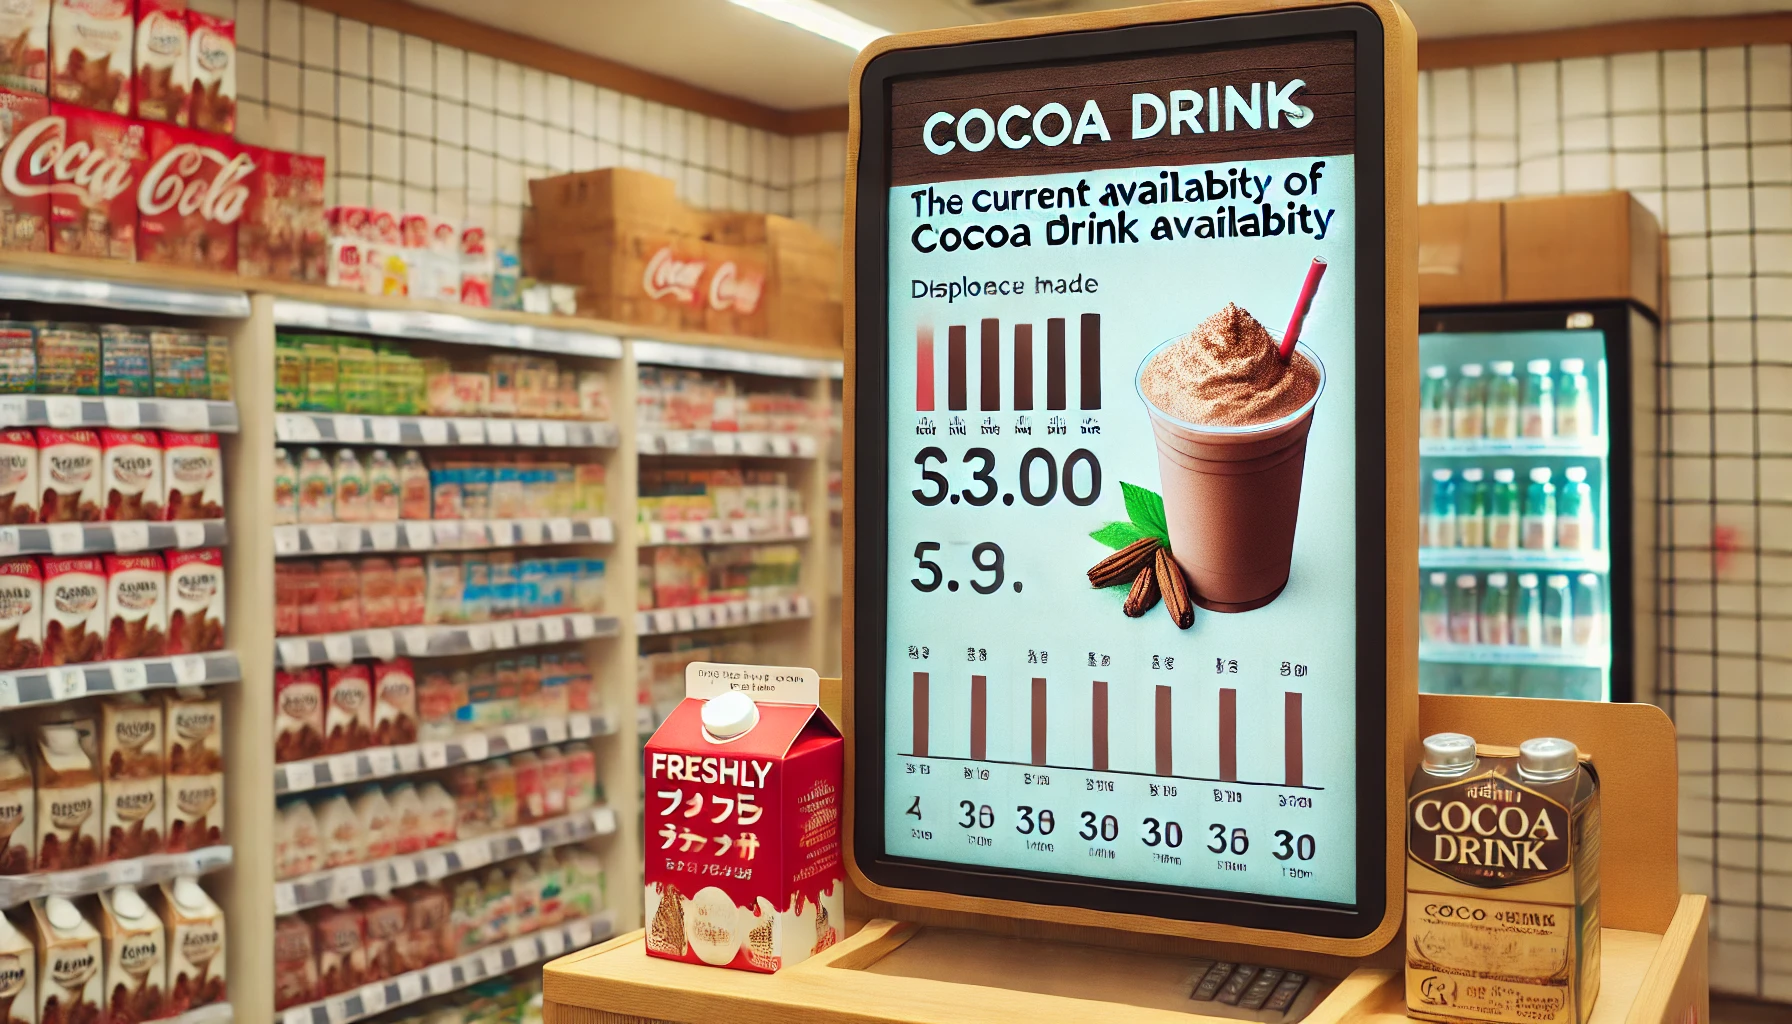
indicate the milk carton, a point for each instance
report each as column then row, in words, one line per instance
column 68, row 795
column 755, row 881
column 18, row 812
column 195, row 928
column 135, row 948
column 194, row 727
column 132, row 823
column 18, row 975
column 70, row 979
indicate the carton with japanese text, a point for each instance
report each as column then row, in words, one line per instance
column 743, row 815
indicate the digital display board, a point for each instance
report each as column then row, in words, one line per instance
column 1119, row 447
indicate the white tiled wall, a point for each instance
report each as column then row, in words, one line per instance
column 407, row 124
column 1704, row 139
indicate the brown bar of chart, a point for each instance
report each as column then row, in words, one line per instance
column 955, row 357
column 989, row 378
column 1039, row 721
column 1229, row 735
column 1098, row 727
column 979, row 718
column 1164, row 732
column 1091, row 367
column 989, row 362
column 919, row 714
column 1291, row 738
column 1054, row 363
column 1023, row 367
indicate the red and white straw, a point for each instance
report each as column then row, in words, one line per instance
column 1301, row 305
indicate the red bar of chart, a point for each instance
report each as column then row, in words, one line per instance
column 1291, row 739
column 920, row 715
column 1098, row 727
column 1039, row 722
column 1228, row 735
column 1165, row 731
column 924, row 369
column 979, row 718
column 955, row 357
column 989, row 361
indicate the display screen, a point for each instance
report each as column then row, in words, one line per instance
column 1122, row 543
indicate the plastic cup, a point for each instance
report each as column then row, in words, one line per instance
column 1232, row 497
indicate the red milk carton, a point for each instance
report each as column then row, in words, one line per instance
column 192, row 196
column 95, row 160
column 743, row 818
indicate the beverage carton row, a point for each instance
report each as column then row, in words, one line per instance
column 380, row 252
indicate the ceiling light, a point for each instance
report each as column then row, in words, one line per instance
column 819, row 18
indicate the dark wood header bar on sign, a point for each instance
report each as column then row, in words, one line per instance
column 1245, row 105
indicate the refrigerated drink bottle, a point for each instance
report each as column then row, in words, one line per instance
column 1440, row 528
column 1527, row 612
column 1558, row 611
column 1574, row 511
column 1471, row 510
column 1502, row 511
column 1589, row 616
column 1434, row 403
column 1502, row 400
column 1434, row 608
column 1464, row 610
column 1496, row 614
column 1574, row 401
column 1538, row 416
column 1468, row 403
column 1539, row 520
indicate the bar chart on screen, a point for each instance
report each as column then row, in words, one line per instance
column 952, row 721
column 1012, row 376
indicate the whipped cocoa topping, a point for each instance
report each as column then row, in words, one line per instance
column 1226, row 373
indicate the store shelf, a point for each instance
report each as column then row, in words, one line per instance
column 442, row 640
column 94, row 538
column 160, row 867
column 1514, row 561
column 387, row 762
column 415, row 431
column 94, row 412
column 381, row 876
column 79, row 290
column 439, row 535
column 1592, row 447
column 70, row 682
column 725, row 615
column 428, row 325
column 1520, row 657
column 725, row 531
column 451, row 975
column 733, row 360
column 723, row 442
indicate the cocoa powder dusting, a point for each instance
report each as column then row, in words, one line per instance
column 1226, row 373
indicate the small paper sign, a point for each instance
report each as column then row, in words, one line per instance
column 189, row 534
column 67, row 538
column 779, row 684
column 130, row 536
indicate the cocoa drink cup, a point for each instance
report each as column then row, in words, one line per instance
column 1232, row 495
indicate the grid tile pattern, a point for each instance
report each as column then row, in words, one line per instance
column 1704, row 140
column 411, row 125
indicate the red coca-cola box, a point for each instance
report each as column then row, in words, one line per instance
column 194, row 192
column 24, row 184
column 96, row 160
column 743, row 816
column 282, row 231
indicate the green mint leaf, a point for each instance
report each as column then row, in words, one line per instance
column 1146, row 510
column 1118, row 535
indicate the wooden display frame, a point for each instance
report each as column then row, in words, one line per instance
column 1655, row 969
column 1399, row 76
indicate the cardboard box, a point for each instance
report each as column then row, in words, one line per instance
column 132, row 761
column 93, row 205
column 1460, row 254
column 25, row 194
column 193, row 195
column 1580, row 247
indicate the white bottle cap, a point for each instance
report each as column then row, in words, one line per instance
column 63, row 915
column 1589, row 579
column 1540, row 474
column 1503, row 367
column 1440, row 475
column 1558, row 581
column 1466, row 580
column 1527, row 579
column 1573, row 365
column 1439, row 579
column 1435, row 372
column 127, row 904
column 1496, row 579
column 1449, row 753
column 1471, row 369
column 1504, row 476
column 1472, row 476
column 1547, row 759
column 1537, row 366
column 729, row 715
column 1575, row 473
column 189, row 895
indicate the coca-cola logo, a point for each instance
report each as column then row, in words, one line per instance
column 75, row 168
column 669, row 275
column 730, row 288
column 174, row 182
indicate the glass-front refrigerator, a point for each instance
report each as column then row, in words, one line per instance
column 1536, row 528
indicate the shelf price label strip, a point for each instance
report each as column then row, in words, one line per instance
column 96, row 538
column 450, row 975
column 721, row 442
column 69, row 682
column 94, row 412
column 386, row 762
column 425, row 325
column 293, row 541
column 18, row 889
column 437, row 641
column 335, row 884
column 727, row 615
column 356, row 428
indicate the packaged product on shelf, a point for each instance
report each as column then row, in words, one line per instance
column 25, row 62
column 18, row 342
column 217, row 368
column 213, row 48
column 177, row 359
column 498, row 777
column 339, row 590
column 136, row 953
column 290, row 580
column 531, row 803
column 439, row 702
column 357, row 376
column 320, row 375
column 131, row 474
column 196, row 942
column 68, row 795
column 379, row 583
column 298, row 714
column 468, row 916
column 427, row 916
column 339, row 830
column 384, row 924
column 162, row 74
column 125, row 361
column 374, row 813
column 18, row 810
column 298, row 839
column 525, row 897
column 395, row 703
column 348, row 709
column 317, row 488
column 289, row 373
column 71, row 984
column 172, row 230
column 286, row 488
column 18, row 975
column 351, row 487
column 136, row 606
column 500, row 907
column 344, row 263
column 195, row 476
column 74, row 610
column 25, row 201
column 446, row 590
column 382, row 487
column 91, row 49
column 68, row 360
column 295, row 963
column 133, row 821
column 440, row 813
column 553, row 783
column 410, row 590
column 414, row 494
column 475, row 812
column 194, row 729
column 98, row 216
column 19, row 490
column 21, row 614
column 581, row 779
column 341, row 955
column 195, row 601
